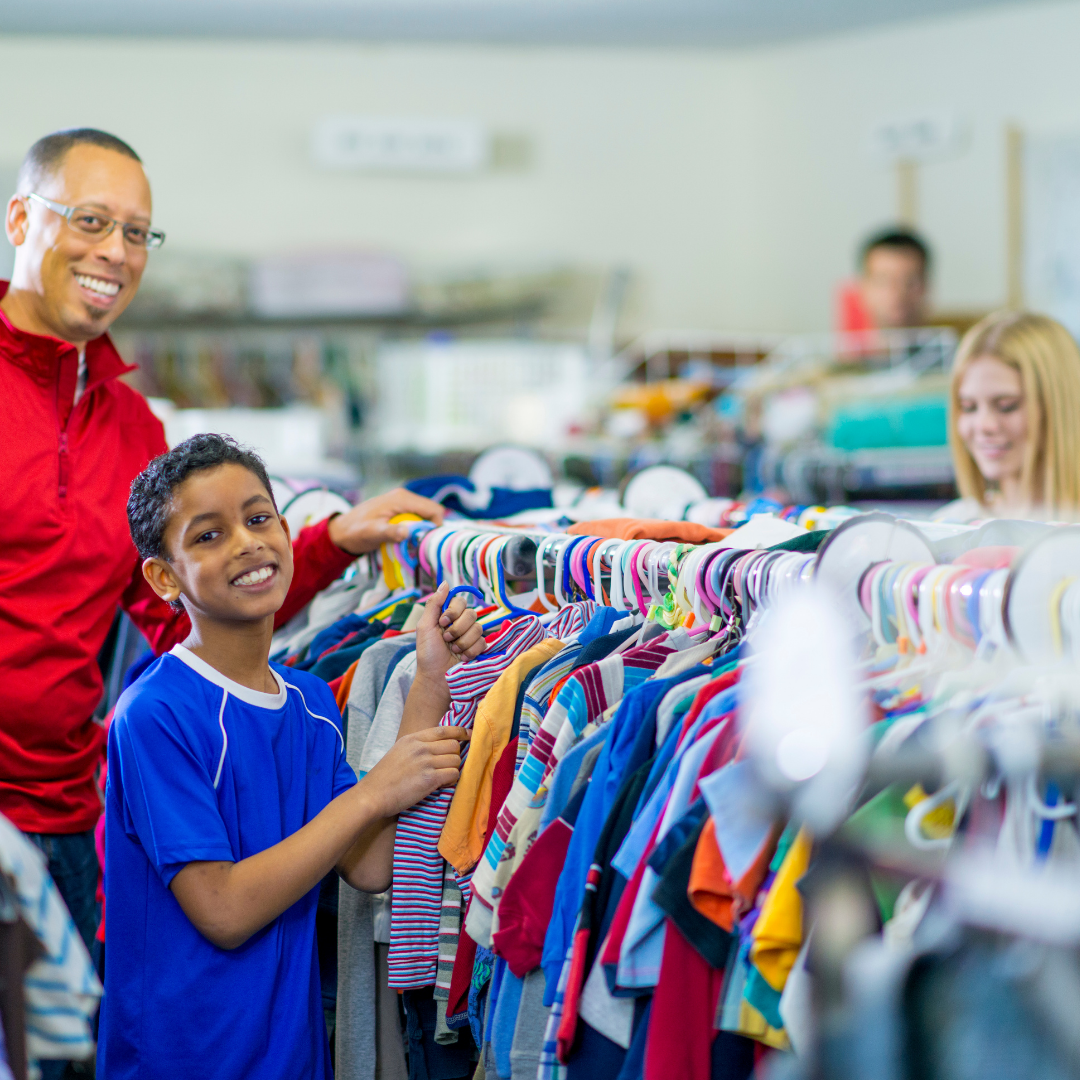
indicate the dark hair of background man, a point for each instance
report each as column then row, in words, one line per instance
column 896, row 239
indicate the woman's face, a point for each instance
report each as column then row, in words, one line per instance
column 993, row 419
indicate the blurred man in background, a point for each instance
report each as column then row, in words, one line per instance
column 892, row 291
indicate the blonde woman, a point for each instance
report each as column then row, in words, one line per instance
column 1014, row 420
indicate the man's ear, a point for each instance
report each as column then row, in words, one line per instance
column 16, row 221
column 162, row 580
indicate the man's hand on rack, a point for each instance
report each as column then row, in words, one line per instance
column 367, row 525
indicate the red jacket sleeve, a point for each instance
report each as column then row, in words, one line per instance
column 317, row 561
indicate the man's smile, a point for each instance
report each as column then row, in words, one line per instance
column 99, row 291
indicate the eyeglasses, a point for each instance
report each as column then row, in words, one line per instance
column 95, row 224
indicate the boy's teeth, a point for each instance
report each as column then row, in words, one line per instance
column 104, row 288
column 254, row 577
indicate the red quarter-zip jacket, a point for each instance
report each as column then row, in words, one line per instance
column 67, row 560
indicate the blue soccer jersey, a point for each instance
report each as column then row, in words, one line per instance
column 202, row 768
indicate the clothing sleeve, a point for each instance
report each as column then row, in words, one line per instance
column 317, row 561
column 169, row 802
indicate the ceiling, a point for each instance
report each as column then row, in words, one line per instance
column 724, row 23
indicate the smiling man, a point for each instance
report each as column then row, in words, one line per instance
column 74, row 438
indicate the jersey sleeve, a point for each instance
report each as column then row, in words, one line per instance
column 169, row 803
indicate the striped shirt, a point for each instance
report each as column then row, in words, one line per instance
column 61, row 989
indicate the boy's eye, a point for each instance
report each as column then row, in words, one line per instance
column 206, row 536
column 259, row 519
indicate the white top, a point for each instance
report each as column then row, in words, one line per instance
column 244, row 693
column 962, row 511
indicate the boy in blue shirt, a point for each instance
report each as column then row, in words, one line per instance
column 229, row 797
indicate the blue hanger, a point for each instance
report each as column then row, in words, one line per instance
column 567, row 574
column 438, row 560
column 471, row 589
column 511, row 608
column 416, row 530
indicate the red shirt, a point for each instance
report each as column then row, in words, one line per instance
column 67, row 560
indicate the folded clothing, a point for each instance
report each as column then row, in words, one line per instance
column 460, row 494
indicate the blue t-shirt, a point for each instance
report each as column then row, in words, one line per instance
column 202, row 768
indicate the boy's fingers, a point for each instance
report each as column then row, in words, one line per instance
column 435, row 734
column 467, row 631
column 453, row 611
column 471, row 644
column 450, row 760
column 461, row 622
column 473, row 651
column 433, row 607
column 448, row 749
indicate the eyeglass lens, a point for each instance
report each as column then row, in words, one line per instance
column 91, row 223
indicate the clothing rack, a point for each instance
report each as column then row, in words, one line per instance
column 696, row 602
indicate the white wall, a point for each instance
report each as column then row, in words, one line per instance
column 735, row 183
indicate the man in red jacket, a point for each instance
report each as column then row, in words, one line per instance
column 72, row 438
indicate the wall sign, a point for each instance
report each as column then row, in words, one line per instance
column 401, row 145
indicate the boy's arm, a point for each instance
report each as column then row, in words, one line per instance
column 229, row 901
column 442, row 639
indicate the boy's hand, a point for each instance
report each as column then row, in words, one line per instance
column 415, row 766
column 445, row 637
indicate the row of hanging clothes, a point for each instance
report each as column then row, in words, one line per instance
column 937, row 772
column 585, row 592
column 618, row 883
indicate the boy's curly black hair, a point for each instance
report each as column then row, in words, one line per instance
column 150, row 500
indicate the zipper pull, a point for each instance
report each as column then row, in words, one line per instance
column 63, row 464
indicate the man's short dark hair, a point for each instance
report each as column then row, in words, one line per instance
column 47, row 155
column 896, row 239
column 150, row 501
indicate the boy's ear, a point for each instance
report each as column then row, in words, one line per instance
column 285, row 526
column 162, row 579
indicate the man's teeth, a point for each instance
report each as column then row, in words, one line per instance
column 255, row 577
column 102, row 288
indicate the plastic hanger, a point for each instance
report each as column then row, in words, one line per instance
column 541, row 588
column 603, row 549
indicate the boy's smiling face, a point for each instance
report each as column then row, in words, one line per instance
column 229, row 551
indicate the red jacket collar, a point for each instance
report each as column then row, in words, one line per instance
column 40, row 355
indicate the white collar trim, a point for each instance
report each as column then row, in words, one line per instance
column 244, row 693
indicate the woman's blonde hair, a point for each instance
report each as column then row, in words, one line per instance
column 1048, row 360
